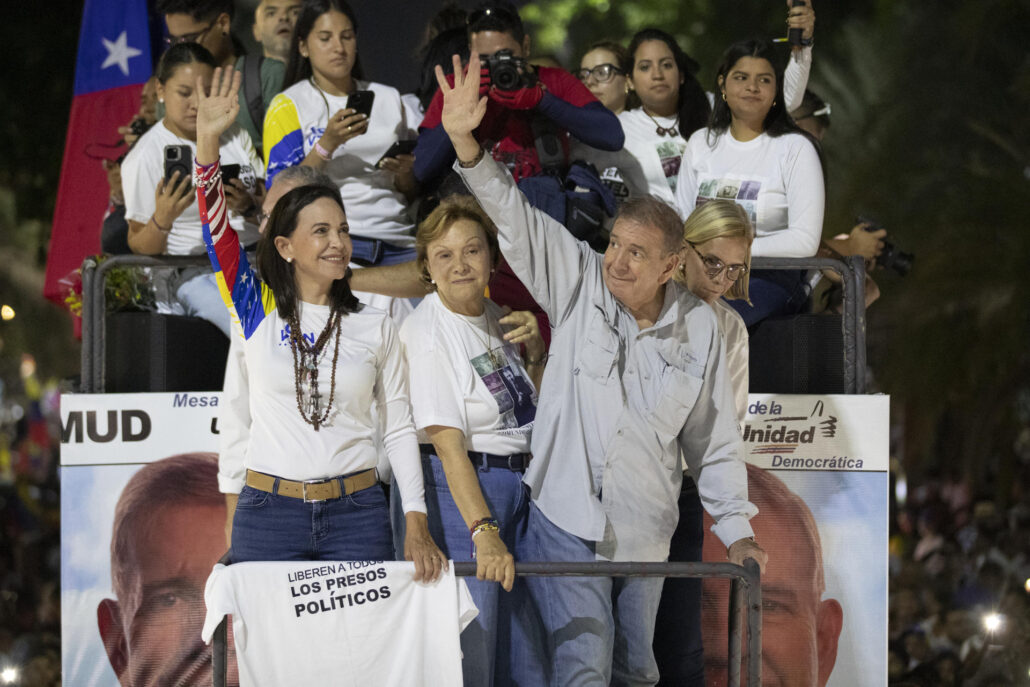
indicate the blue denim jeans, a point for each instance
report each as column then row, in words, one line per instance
column 485, row 644
column 677, row 636
column 598, row 630
column 200, row 297
column 368, row 252
column 269, row 527
column 773, row 293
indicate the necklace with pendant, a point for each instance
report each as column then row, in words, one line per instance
column 306, row 358
column 663, row 130
column 497, row 359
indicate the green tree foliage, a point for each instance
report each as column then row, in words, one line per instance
column 930, row 136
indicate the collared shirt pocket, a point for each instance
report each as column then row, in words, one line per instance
column 599, row 350
column 680, row 384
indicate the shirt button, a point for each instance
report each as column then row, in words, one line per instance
column 575, row 370
column 619, row 432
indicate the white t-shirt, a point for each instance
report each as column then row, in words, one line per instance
column 353, row 624
column 778, row 180
column 647, row 164
column 143, row 167
column 456, row 382
column 297, row 118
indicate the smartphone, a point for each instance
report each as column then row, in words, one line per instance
column 361, row 101
column 178, row 158
column 230, row 172
column 398, row 148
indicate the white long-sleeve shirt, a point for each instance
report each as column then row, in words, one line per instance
column 778, row 180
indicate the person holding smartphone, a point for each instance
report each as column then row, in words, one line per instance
column 332, row 119
column 159, row 200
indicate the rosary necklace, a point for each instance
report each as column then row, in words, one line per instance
column 662, row 130
column 305, row 369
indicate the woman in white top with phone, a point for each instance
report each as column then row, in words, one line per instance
column 159, row 201
column 331, row 119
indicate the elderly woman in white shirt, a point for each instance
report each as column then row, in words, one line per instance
column 473, row 397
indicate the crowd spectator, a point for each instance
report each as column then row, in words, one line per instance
column 753, row 153
column 208, row 23
column 313, row 123
column 605, row 69
column 161, row 210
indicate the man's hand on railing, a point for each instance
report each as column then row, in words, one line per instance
column 747, row 548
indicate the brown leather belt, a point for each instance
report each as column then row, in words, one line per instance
column 316, row 489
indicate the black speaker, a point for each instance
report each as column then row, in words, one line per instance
column 146, row 351
column 800, row 354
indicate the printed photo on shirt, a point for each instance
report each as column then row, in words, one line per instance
column 744, row 192
column 513, row 392
column 670, row 153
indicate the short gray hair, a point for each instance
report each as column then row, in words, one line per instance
column 650, row 211
column 302, row 175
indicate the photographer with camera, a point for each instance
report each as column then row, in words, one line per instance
column 518, row 94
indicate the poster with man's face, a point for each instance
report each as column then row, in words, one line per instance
column 142, row 524
column 817, row 471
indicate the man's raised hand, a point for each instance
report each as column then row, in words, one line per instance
column 463, row 106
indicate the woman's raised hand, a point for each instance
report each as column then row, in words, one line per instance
column 463, row 106
column 216, row 112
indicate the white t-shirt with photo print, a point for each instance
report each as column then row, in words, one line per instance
column 144, row 166
column 455, row 381
column 778, row 180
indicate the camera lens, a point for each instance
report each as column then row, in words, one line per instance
column 506, row 77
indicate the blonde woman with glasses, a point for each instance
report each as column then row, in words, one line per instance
column 714, row 265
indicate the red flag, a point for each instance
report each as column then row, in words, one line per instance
column 112, row 66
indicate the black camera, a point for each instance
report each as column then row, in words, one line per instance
column 138, row 126
column 892, row 257
column 509, row 73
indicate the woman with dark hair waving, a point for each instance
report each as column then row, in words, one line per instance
column 330, row 118
column 753, row 153
column 162, row 217
column 320, row 361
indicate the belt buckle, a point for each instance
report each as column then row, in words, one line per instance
column 522, row 460
column 304, row 489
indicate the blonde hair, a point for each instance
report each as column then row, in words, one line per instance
column 721, row 218
column 450, row 210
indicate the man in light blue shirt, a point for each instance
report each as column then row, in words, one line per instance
column 636, row 379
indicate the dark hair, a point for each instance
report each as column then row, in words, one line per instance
column 438, row 52
column 199, row 10
column 180, row 54
column 692, row 102
column 811, row 104
column 496, row 15
column 777, row 121
column 299, row 67
column 650, row 211
column 279, row 274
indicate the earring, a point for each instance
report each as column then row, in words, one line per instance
column 724, row 95
column 160, row 100
column 774, row 103
column 432, row 281
column 289, row 260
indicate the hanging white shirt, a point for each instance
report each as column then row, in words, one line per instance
column 350, row 624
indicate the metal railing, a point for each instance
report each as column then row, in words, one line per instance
column 94, row 306
column 852, row 274
column 745, row 591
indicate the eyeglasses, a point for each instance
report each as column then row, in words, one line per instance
column 714, row 266
column 602, row 73
column 189, row 37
